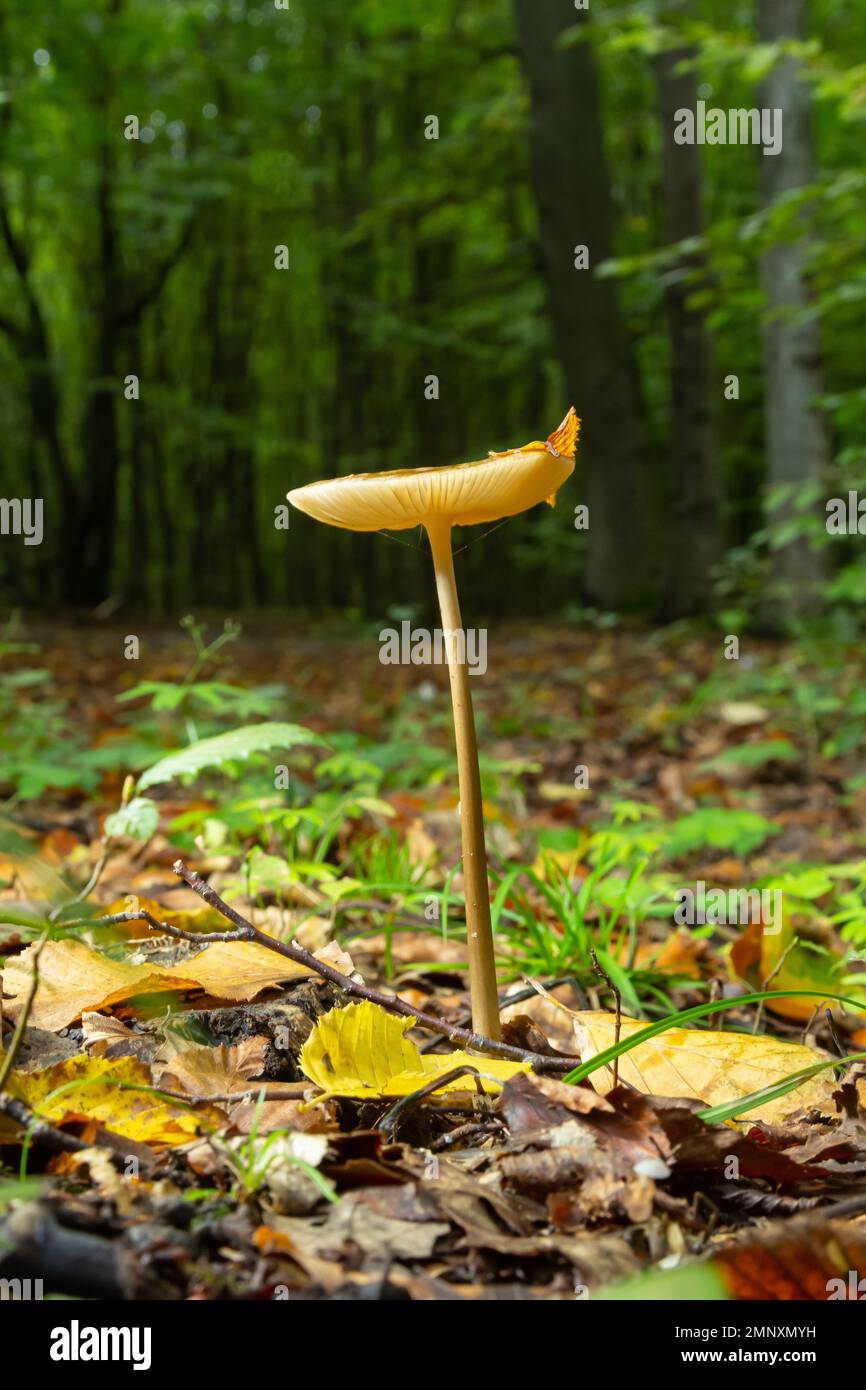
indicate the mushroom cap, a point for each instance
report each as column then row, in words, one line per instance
column 461, row 494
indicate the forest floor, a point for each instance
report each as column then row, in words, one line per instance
column 161, row 1135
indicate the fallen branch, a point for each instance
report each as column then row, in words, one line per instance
column 40, row 1131
column 245, row 931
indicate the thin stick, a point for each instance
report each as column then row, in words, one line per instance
column 21, row 1026
column 245, row 931
column 479, row 936
column 40, row 1131
column 618, row 997
column 389, row 1121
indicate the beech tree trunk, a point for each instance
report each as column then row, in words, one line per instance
column 572, row 192
column 694, row 492
column 798, row 448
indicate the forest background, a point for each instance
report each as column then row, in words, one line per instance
column 247, row 245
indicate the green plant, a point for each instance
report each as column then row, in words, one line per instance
column 191, row 697
column 252, row 1159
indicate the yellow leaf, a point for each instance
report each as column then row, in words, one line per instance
column 74, row 978
column 201, row 918
column 362, row 1051
column 134, row 1114
column 711, row 1067
column 239, row 970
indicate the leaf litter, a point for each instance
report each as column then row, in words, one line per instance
column 229, row 1124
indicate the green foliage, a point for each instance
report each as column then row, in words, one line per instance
column 756, row 755
column 716, row 827
column 138, row 819
column 230, row 748
column 42, row 748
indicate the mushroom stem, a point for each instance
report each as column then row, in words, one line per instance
column 482, row 966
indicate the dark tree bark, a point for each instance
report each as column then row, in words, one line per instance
column 573, row 195
column 798, row 448
column 33, row 349
column 694, row 496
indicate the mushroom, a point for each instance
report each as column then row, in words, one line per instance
column 439, row 498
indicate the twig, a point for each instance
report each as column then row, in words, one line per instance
column 389, row 1121
column 467, row 1131
column 245, row 931
column 21, row 1025
column 392, row 1002
column 765, row 984
column 294, row 1091
column 40, row 1131
column 618, row 997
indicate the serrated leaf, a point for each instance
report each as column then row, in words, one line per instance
column 137, row 820
column 362, row 1051
column 226, row 748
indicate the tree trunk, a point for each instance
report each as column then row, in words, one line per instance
column 798, row 448
column 694, row 499
column 98, row 518
column 573, row 197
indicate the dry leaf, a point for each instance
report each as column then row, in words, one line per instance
column 811, row 1258
column 73, row 977
column 362, row 1051
column 239, row 970
column 104, row 1036
column 711, row 1067
column 214, row 1071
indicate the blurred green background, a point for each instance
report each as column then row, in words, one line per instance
column 436, row 303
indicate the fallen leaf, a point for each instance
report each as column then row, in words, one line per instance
column 74, row 978
column 364, row 1221
column 104, row 1036
column 706, row 1066
column 132, row 1113
column 777, row 956
column 239, row 970
column 362, row 1051
column 212, row 1071
column 811, row 1258
column 679, row 954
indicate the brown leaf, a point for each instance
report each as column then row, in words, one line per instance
column 211, row 1071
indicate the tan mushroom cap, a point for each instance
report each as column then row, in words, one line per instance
column 462, row 494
